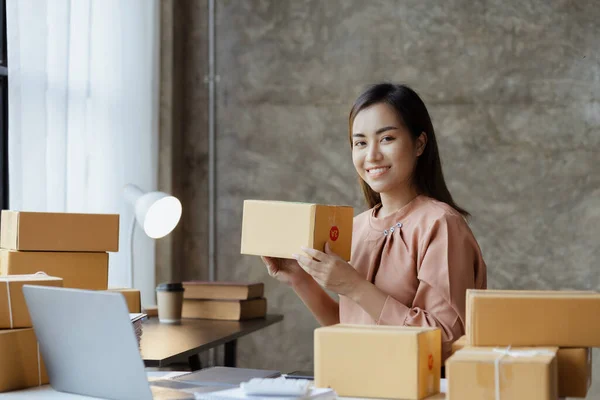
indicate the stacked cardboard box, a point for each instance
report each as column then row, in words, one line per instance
column 223, row 300
column 51, row 249
column 71, row 246
column 525, row 345
column 21, row 364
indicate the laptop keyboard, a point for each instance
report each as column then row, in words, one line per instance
column 167, row 389
column 161, row 393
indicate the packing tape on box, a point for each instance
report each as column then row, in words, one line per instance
column 39, row 273
column 332, row 220
column 508, row 352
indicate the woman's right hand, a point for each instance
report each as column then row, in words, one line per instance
column 285, row 270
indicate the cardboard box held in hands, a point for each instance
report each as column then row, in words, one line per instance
column 280, row 229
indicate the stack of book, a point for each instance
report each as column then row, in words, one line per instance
column 232, row 301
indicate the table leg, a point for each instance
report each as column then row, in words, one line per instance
column 231, row 353
column 194, row 362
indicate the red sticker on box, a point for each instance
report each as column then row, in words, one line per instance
column 334, row 233
column 430, row 362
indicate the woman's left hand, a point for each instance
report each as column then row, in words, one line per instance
column 329, row 270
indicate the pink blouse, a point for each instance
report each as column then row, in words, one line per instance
column 424, row 257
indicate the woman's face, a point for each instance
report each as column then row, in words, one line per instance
column 383, row 151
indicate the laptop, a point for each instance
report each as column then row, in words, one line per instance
column 89, row 347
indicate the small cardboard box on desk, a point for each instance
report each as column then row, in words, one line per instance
column 491, row 373
column 21, row 365
column 391, row 362
column 280, row 229
column 574, row 368
column 71, row 246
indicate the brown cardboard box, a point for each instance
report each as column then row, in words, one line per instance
column 280, row 229
column 78, row 270
column 21, row 365
column 132, row 297
column 151, row 311
column 392, row 362
column 13, row 309
column 574, row 368
column 523, row 374
column 532, row 318
column 37, row 231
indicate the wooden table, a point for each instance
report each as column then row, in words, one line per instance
column 164, row 344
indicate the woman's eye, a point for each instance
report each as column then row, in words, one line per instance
column 359, row 144
column 387, row 139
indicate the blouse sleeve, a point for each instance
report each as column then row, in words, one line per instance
column 446, row 268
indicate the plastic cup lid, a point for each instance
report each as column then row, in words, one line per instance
column 170, row 287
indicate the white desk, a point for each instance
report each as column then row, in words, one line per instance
column 46, row 392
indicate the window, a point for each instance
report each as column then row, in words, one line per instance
column 3, row 110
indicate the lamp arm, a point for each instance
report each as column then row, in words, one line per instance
column 132, row 231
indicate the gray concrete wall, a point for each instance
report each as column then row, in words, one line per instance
column 513, row 88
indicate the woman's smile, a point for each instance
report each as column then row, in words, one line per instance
column 376, row 172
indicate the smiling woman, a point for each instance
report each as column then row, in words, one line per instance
column 413, row 253
column 414, row 246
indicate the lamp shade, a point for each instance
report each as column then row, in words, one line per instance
column 158, row 213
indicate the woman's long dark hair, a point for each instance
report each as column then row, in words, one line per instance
column 428, row 177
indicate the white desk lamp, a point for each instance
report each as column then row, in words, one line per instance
column 157, row 213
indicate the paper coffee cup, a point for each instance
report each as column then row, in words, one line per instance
column 169, row 299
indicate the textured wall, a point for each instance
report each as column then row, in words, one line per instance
column 183, row 137
column 514, row 91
